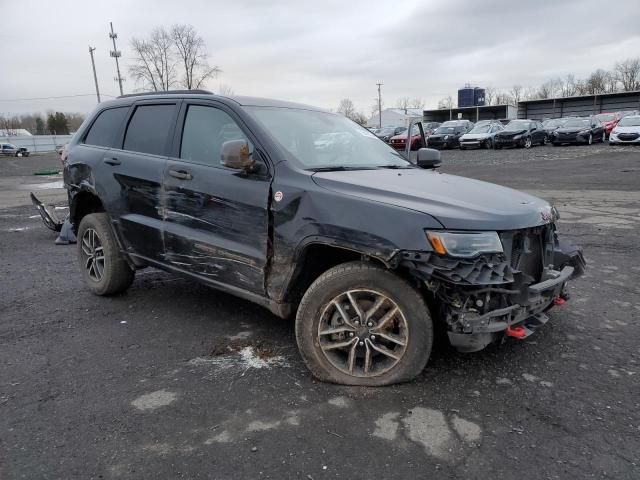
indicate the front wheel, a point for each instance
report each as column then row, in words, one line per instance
column 360, row 324
column 544, row 141
column 527, row 142
column 590, row 140
column 604, row 137
column 487, row 144
column 104, row 271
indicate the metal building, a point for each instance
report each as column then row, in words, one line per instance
column 580, row 106
column 484, row 112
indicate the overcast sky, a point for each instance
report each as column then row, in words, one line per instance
column 317, row 52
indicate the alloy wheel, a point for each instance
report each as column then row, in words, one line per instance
column 93, row 254
column 363, row 333
column 527, row 142
column 590, row 140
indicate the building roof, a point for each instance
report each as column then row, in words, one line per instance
column 577, row 97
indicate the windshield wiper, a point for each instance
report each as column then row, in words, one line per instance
column 338, row 168
column 395, row 167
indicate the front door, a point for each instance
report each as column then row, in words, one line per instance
column 216, row 218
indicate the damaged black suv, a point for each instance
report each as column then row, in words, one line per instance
column 308, row 214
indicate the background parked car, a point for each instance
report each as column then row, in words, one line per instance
column 385, row 133
column 552, row 124
column 11, row 150
column 521, row 133
column 480, row 136
column 448, row 135
column 609, row 121
column 579, row 130
column 626, row 131
column 399, row 142
column 430, row 127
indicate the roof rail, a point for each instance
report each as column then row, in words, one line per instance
column 167, row 92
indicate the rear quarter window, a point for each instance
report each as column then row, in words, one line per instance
column 149, row 129
column 103, row 130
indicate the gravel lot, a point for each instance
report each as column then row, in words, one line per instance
column 175, row 380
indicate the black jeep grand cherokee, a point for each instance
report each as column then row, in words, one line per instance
column 369, row 251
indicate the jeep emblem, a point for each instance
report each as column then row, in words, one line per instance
column 278, row 196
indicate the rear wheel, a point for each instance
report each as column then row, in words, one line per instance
column 104, row 271
column 360, row 324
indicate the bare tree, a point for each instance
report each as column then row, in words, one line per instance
column 446, row 102
column 516, row 93
column 374, row 107
column 489, row 95
column 596, row 82
column 346, row 108
column 403, row 103
column 550, row 89
column 503, row 98
column 628, row 74
column 417, row 102
column 226, row 90
column 568, row 86
column 155, row 61
column 192, row 55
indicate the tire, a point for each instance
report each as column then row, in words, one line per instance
column 487, row 144
column 590, row 140
column 527, row 143
column 107, row 274
column 318, row 309
column 18, row 154
column 604, row 137
column 544, row 141
column 462, row 148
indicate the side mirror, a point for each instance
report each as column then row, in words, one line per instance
column 428, row 158
column 235, row 154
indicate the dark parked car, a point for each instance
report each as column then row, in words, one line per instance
column 552, row 124
column 448, row 134
column 430, row 127
column 385, row 133
column 365, row 249
column 579, row 130
column 11, row 150
column 521, row 133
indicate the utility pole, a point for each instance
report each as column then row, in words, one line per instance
column 115, row 53
column 95, row 77
column 379, row 105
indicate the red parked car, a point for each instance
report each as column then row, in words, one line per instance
column 399, row 142
column 609, row 121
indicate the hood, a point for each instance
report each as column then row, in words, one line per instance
column 510, row 133
column 458, row 203
column 572, row 129
column 630, row 129
column 475, row 136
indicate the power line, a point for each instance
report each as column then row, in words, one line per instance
column 53, row 98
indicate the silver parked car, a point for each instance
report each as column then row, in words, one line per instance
column 481, row 136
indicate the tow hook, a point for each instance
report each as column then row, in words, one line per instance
column 559, row 301
column 515, row 332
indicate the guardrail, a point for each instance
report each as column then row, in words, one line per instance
column 37, row 143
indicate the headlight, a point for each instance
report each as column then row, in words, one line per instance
column 464, row 244
column 517, row 137
column 615, row 132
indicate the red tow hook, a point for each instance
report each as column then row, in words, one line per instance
column 515, row 332
column 559, row 301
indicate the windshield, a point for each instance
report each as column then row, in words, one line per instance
column 442, row 130
column 481, row 129
column 552, row 123
column 452, row 123
column 606, row 117
column 517, row 125
column 576, row 122
column 320, row 140
column 629, row 122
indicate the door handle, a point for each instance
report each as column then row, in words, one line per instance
column 181, row 174
column 112, row 161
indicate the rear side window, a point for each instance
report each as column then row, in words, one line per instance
column 149, row 129
column 103, row 131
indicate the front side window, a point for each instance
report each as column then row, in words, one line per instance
column 149, row 128
column 103, row 131
column 205, row 130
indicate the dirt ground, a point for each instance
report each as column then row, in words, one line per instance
column 174, row 380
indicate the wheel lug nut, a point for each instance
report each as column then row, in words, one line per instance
column 351, row 334
column 361, row 344
column 370, row 324
column 373, row 338
column 357, row 322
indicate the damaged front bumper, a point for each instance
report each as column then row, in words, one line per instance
column 485, row 298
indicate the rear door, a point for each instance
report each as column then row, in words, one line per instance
column 136, row 166
column 216, row 218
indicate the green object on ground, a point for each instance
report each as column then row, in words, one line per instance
column 47, row 172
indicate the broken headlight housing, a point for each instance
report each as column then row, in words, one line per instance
column 464, row 244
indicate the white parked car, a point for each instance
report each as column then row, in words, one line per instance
column 480, row 136
column 626, row 131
